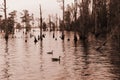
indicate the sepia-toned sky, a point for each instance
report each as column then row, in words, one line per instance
column 48, row 6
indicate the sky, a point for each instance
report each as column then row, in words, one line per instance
column 48, row 6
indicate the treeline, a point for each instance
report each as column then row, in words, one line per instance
column 11, row 23
column 95, row 16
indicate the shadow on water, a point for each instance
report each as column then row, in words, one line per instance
column 77, row 61
column 115, row 61
column 81, row 60
column 85, row 56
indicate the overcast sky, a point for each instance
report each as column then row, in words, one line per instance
column 48, row 6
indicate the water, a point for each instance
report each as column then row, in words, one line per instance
column 20, row 60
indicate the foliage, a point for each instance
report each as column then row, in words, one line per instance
column 10, row 22
column 104, row 17
column 26, row 18
column 18, row 26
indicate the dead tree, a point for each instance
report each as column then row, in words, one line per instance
column 5, row 14
column 41, row 23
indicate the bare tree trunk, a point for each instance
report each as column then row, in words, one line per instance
column 5, row 13
column 50, row 22
column 56, row 22
column 40, row 23
column 63, row 20
column 75, row 16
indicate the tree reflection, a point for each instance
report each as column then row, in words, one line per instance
column 6, row 68
column 115, row 61
column 85, row 58
column 41, row 60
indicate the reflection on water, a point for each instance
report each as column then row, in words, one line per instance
column 20, row 60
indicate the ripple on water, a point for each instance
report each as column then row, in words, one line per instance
column 20, row 60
